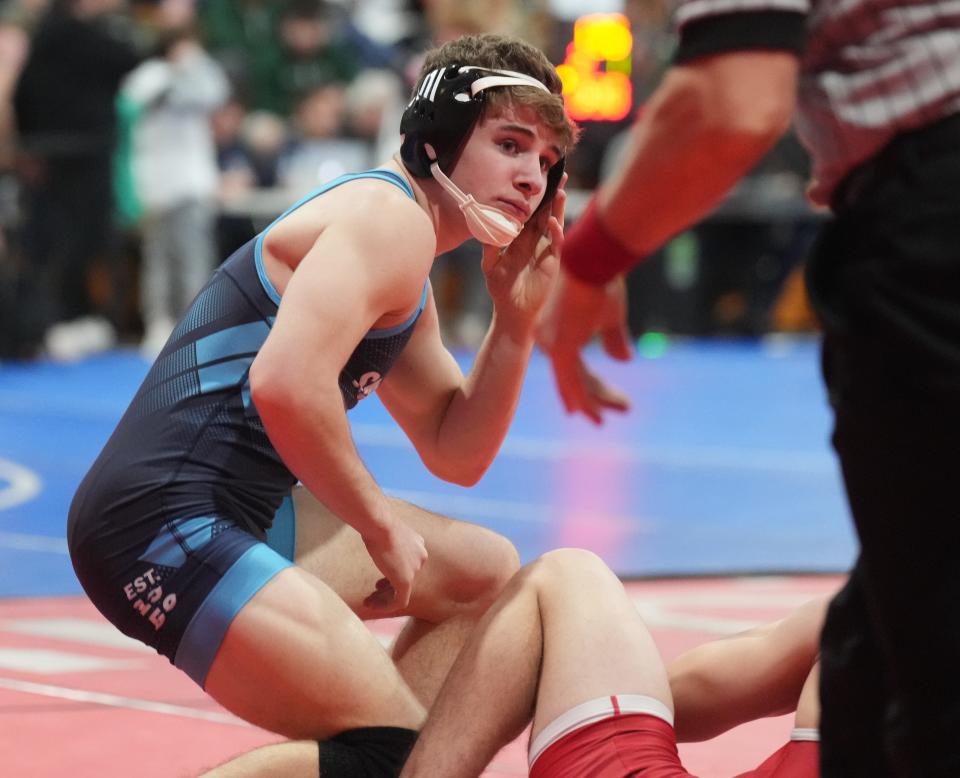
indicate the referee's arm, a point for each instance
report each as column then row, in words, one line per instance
column 724, row 104
column 726, row 101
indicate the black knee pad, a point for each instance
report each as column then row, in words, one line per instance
column 368, row 752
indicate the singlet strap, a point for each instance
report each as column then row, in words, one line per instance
column 380, row 174
column 387, row 332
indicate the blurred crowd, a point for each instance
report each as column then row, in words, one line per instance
column 142, row 141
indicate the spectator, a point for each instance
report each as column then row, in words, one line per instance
column 15, row 324
column 242, row 35
column 313, row 53
column 237, row 176
column 374, row 103
column 175, row 172
column 65, row 115
column 319, row 152
column 264, row 137
column 276, row 52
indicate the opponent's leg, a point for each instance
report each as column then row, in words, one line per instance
column 488, row 696
column 595, row 644
column 808, row 706
column 800, row 756
column 566, row 609
column 423, row 653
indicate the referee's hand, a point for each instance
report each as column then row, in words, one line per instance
column 574, row 314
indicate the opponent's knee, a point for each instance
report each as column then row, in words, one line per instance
column 368, row 752
column 568, row 564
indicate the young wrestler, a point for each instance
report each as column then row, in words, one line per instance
column 565, row 645
column 175, row 531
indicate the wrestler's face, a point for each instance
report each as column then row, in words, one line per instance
column 506, row 160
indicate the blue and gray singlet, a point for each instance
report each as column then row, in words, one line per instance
column 190, row 459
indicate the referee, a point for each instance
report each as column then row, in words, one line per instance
column 874, row 86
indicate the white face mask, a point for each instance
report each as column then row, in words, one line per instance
column 486, row 223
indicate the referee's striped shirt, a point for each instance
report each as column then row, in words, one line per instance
column 869, row 68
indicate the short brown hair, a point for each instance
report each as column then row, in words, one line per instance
column 505, row 53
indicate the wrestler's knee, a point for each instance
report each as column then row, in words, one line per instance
column 495, row 562
column 567, row 564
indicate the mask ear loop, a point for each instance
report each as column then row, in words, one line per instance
column 451, row 188
column 465, row 201
column 486, row 224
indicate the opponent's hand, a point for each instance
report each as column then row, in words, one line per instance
column 519, row 277
column 575, row 313
column 399, row 555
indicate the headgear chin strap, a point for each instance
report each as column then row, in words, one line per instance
column 486, row 223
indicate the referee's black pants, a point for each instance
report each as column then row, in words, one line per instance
column 885, row 279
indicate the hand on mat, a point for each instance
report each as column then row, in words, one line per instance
column 399, row 555
column 519, row 277
column 575, row 313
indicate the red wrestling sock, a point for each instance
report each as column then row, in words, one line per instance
column 591, row 253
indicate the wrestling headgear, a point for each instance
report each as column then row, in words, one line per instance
column 436, row 125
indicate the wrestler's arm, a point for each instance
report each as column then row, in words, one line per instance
column 457, row 422
column 757, row 673
column 354, row 273
column 426, row 384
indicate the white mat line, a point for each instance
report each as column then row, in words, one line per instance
column 22, row 484
column 117, row 701
column 21, row 541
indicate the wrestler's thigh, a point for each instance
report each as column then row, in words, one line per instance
column 467, row 565
column 295, row 660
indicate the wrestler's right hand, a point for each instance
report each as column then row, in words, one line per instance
column 399, row 553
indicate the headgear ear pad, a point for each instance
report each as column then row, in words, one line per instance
column 445, row 110
column 442, row 114
column 553, row 181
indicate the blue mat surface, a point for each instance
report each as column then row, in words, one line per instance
column 722, row 466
